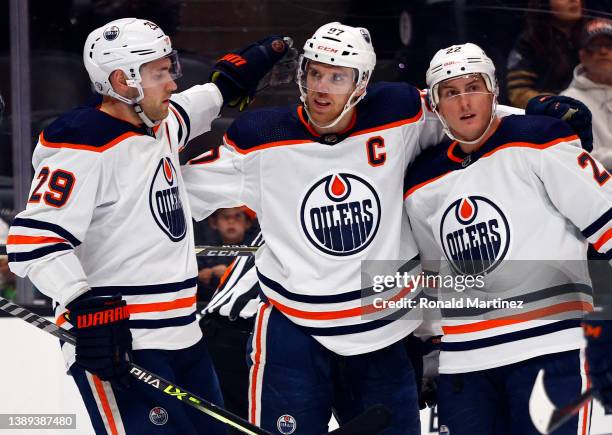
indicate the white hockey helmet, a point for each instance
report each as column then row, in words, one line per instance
column 341, row 45
column 457, row 61
column 126, row 44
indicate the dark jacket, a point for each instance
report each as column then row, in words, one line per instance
column 531, row 74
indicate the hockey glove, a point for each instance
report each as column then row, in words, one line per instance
column 238, row 296
column 237, row 74
column 103, row 339
column 597, row 327
column 424, row 358
column 568, row 109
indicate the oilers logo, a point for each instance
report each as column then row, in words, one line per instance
column 340, row 214
column 158, row 416
column 475, row 235
column 286, row 424
column 165, row 201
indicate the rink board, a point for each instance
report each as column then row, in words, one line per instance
column 34, row 382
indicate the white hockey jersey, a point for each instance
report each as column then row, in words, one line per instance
column 108, row 211
column 518, row 212
column 325, row 204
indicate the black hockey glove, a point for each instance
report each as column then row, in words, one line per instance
column 568, row 109
column 103, row 339
column 237, row 74
column 424, row 354
column 597, row 327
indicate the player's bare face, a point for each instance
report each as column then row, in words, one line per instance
column 328, row 89
column 158, row 85
column 466, row 105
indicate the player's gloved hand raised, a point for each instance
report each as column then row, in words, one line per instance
column 237, row 74
column 570, row 110
column 103, row 339
column 597, row 327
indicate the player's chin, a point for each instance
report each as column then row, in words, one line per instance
column 161, row 113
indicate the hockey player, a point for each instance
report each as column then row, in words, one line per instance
column 597, row 328
column 325, row 179
column 499, row 191
column 107, row 232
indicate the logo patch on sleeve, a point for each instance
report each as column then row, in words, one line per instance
column 340, row 214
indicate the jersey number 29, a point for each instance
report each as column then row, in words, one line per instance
column 58, row 189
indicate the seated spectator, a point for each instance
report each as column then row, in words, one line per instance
column 7, row 278
column 231, row 227
column 592, row 85
column 545, row 54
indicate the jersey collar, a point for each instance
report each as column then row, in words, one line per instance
column 329, row 138
column 458, row 156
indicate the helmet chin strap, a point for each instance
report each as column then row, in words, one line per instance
column 448, row 132
column 135, row 103
column 143, row 116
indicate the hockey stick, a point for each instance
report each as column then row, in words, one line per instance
column 140, row 373
column 372, row 421
column 206, row 251
column 225, row 251
column 545, row 415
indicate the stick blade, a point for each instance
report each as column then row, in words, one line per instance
column 541, row 409
column 375, row 419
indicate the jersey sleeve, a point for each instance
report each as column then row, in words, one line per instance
column 580, row 188
column 195, row 109
column 42, row 239
column 218, row 179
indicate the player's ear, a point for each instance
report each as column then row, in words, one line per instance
column 118, row 82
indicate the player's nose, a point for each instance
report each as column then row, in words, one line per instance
column 464, row 101
column 171, row 86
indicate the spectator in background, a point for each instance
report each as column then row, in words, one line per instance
column 231, row 227
column 7, row 278
column 592, row 84
column 546, row 53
